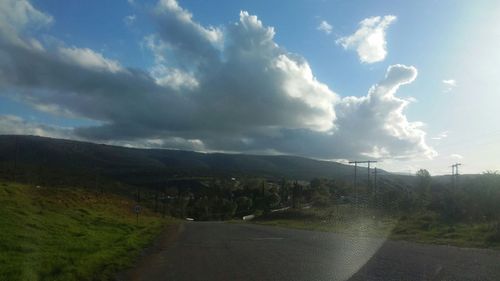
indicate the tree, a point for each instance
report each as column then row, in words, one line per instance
column 296, row 194
column 273, row 200
column 244, row 203
column 424, row 177
column 423, row 186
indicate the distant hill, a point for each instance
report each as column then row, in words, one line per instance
column 66, row 161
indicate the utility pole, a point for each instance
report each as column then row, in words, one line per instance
column 369, row 161
column 355, row 180
column 355, row 174
column 16, row 156
column 368, row 172
column 355, row 170
column 375, row 188
column 454, row 173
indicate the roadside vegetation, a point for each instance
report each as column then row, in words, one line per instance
column 49, row 233
column 368, row 222
column 464, row 211
column 463, row 214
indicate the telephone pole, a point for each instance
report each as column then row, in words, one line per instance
column 16, row 156
column 355, row 171
column 355, row 162
column 369, row 161
column 454, row 173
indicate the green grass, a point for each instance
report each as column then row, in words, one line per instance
column 69, row 234
column 340, row 219
column 365, row 222
column 427, row 228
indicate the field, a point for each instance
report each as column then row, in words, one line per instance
column 417, row 227
column 69, row 234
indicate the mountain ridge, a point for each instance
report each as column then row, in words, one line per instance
column 144, row 166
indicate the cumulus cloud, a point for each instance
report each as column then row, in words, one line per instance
column 381, row 127
column 325, row 27
column 369, row 40
column 193, row 44
column 164, row 75
column 372, row 126
column 228, row 88
column 253, row 89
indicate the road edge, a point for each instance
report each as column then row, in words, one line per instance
column 164, row 240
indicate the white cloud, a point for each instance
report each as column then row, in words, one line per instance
column 456, row 156
column 373, row 126
column 10, row 124
column 299, row 83
column 163, row 74
column 377, row 153
column 449, row 85
column 381, row 127
column 325, row 27
column 450, row 82
column 165, row 143
column 156, row 46
column 170, row 9
column 174, row 78
column 129, row 20
column 441, row 136
column 411, row 99
column 17, row 16
column 89, row 59
column 369, row 40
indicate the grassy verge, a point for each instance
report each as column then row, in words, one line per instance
column 69, row 234
column 418, row 227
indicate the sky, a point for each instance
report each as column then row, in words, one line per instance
column 412, row 84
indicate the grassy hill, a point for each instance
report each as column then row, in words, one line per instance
column 69, row 234
column 56, row 161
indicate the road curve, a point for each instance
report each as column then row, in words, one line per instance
column 223, row 251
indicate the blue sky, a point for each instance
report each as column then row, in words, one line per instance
column 436, row 105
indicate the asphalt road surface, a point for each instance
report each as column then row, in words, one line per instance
column 223, row 251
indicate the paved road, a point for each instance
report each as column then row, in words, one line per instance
column 222, row 251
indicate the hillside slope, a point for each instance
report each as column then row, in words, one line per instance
column 54, row 160
column 52, row 233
